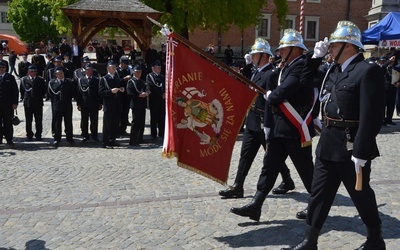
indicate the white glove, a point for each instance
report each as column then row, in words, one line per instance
column 320, row 48
column 267, row 94
column 358, row 163
column 266, row 132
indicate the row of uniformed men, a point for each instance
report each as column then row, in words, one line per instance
column 116, row 93
column 352, row 100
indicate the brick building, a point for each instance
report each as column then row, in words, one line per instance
column 320, row 19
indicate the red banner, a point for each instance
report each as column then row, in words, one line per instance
column 206, row 107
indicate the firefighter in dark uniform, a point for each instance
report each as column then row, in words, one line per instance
column 89, row 103
column 61, row 91
column 111, row 90
column 23, row 66
column 352, row 99
column 123, row 72
column 39, row 61
column 50, row 75
column 81, row 72
column 68, row 65
column 139, row 91
column 8, row 103
column 156, row 83
column 285, row 137
column 253, row 136
column 33, row 89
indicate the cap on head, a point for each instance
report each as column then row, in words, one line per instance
column 57, row 59
column 124, row 59
column 137, row 68
column 111, row 63
column 261, row 46
column 59, row 70
column 88, row 66
column 2, row 64
column 291, row 38
column 156, row 64
column 85, row 59
column 347, row 32
column 32, row 68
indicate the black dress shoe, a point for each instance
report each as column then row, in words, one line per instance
column 302, row 215
column 105, row 145
column 10, row 143
column 95, row 139
column 29, row 138
column 39, row 138
column 55, row 143
column 391, row 123
column 231, row 192
column 283, row 188
column 71, row 141
column 247, row 211
column 85, row 140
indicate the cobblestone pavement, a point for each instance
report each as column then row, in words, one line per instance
column 87, row 197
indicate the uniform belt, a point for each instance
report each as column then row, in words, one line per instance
column 257, row 110
column 340, row 123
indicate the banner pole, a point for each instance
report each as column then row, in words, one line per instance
column 216, row 62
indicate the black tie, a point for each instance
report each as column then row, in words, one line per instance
column 1, row 78
column 339, row 68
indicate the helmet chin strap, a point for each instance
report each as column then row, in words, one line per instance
column 259, row 60
column 288, row 55
column 340, row 52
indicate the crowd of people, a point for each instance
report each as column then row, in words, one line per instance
column 68, row 78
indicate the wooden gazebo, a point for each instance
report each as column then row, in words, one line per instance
column 88, row 17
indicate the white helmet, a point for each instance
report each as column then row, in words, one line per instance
column 291, row 38
column 347, row 32
column 261, row 46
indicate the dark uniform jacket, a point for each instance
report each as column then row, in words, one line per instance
column 32, row 91
column 23, row 68
column 88, row 93
column 360, row 95
column 111, row 102
column 39, row 62
column 103, row 54
column 134, row 88
column 255, row 117
column 61, row 93
column 8, row 91
column 297, row 87
column 156, row 85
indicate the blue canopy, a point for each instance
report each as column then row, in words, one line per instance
column 387, row 29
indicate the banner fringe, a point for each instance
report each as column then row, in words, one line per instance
column 182, row 165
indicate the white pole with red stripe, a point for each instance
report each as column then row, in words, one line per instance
column 301, row 17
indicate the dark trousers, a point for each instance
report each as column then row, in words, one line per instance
column 37, row 113
column 278, row 150
column 59, row 114
column 157, row 119
column 390, row 98
column 6, row 127
column 137, row 127
column 252, row 140
column 327, row 178
column 93, row 115
column 110, row 126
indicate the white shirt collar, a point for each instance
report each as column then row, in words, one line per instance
column 348, row 61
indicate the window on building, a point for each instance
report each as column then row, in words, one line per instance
column 311, row 28
column 290, row 23
column 264, row 26
column 372, row 23
column 313, row 1
column 3, row 17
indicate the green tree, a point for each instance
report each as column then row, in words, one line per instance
column 184, row 16
column 31, row 20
